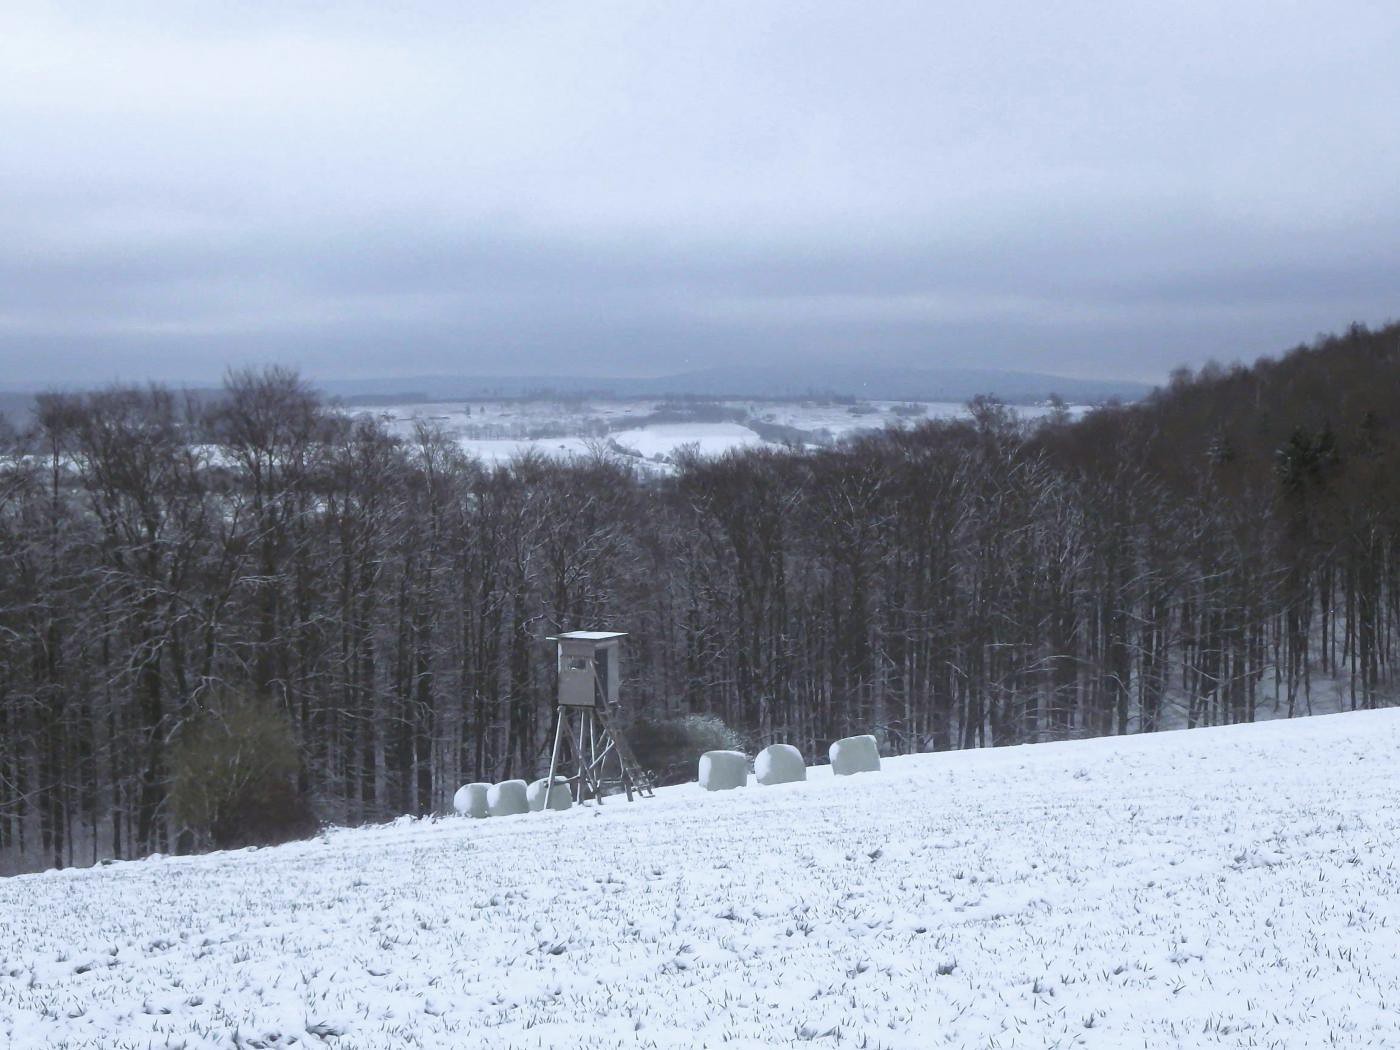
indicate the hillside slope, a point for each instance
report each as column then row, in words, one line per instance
column 1220, row 887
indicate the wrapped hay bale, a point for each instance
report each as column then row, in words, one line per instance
column 470, row 800
column 779, row 764
column 722, row 770
column 507, row 798
column 855, row 754
column 559, row 796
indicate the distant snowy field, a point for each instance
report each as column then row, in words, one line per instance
column 1228, row 887
column 497, row 431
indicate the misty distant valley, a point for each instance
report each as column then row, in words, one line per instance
column 653, row 431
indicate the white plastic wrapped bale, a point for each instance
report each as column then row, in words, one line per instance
column 559, row 796
column 722, row 770
column 470, row 800
column 508, row 798
column 779, row 764
column 855, row 754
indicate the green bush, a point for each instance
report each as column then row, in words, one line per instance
column 671, row 747
column 235, row 768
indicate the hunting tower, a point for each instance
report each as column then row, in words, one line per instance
column 586, row 743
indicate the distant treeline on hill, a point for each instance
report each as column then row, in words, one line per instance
column 809, row 380
column 1224, row 550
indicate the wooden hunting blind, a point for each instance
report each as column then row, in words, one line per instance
column 586, row 743
column 588, row 668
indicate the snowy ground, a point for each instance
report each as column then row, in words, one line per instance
column 496, row 431
column 1228, row 887
column 709, row 439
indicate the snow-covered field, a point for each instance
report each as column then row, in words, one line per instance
column 497, row 431
column 1220, row 887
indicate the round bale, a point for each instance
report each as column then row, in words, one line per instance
column 779, row 764
column 855, row 754
column 508, row 798
column 559, row 796
column 470, row 800
column 722, row 770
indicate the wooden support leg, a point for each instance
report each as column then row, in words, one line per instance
column 580, row 777
column 554, row 757
column 593, row 771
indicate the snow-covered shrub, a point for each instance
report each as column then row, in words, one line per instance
column 508, row 798
column 779, row 764
column 470, row 800
column 722, row 770
column 235, row 767
column 559, row 796
column 855, row 754
column 670, row 747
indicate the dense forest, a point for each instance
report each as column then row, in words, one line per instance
column 1224, row 550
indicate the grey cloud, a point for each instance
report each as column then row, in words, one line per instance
column 1089, row 189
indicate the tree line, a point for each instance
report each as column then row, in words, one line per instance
column 1224, row 550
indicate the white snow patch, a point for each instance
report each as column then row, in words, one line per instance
column 709, row 439
column 493, row 451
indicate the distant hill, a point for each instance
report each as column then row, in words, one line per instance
column 933, row 384
column 941, row 384
column 892, row 384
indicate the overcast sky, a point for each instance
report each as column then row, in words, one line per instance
column 1088, row 188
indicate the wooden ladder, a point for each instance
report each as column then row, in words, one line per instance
column 633, row 777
